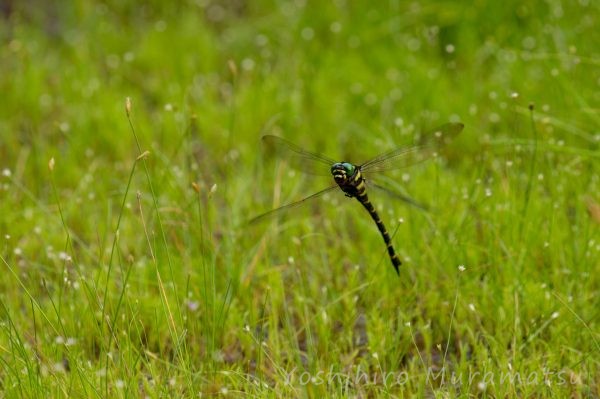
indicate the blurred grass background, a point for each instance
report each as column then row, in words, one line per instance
column 127, row 276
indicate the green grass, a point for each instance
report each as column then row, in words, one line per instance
column 132, row 274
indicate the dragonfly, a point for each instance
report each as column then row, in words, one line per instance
column 352, row 179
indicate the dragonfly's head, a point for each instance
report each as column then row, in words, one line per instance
column 342, row 171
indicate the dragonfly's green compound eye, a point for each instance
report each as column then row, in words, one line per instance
column 347, row 167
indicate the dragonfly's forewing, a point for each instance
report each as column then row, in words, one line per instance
column 298, row 158
column 402, row 157
column 290, row 206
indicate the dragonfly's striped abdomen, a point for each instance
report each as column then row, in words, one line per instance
column 351, row 181
column 364, row 200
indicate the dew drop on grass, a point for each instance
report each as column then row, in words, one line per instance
column 248, row 64
column 473, row 109
column 395, row 94
column 64, row 256
column 160, row 25
column 392, row 74
column 46, row 100
column 528, row 42
column 64, row 127
column 58, row 367
column 261, row 40
column 216, row 13
column 413, row 44
column 307, row 33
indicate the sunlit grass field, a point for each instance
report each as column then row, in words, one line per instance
column 131, row 163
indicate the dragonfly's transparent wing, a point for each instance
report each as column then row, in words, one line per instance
column 399, row 196
column 402, row 157
column 285, row 208
column 298, row 158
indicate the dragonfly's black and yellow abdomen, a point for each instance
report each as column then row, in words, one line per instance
column 352, row 183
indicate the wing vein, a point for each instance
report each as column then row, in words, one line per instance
column 289, row 206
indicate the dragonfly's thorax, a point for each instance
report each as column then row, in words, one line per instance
column 348, row 177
